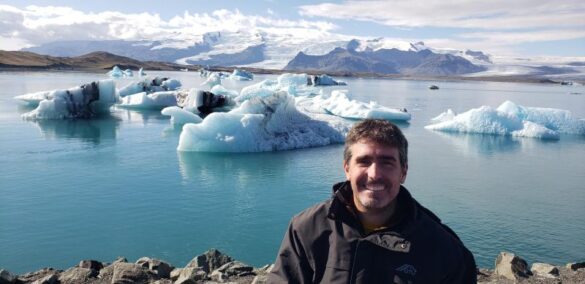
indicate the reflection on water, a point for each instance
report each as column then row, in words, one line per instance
column 241, row 169
column 488, row 145
column 87, row 130
column 139, row 115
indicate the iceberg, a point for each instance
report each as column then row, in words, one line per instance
column 150, row 85
column 85, row 101
column 141, row 72
column 157, row 100
column 180, row 116
column 128, row 73
column 33, row 99
column 511, row 119
column 116, row 72
column 338, row 103
column 324, row 80
column 241, row 75
column 204, row 102
column 293, row 84
column 267, row 123
column 212, row 80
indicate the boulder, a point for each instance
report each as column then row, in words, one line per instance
column 130, row 273
column 77, row 275
column 49, row 279
column 176, row 273
column 544, row 270
column 232, row 269
column 6, row 277
column 191, row 275
column 210, row 260
column 511, row 266
column 575, row 265
column 120, row 259
column 260, row 279
column 161, row 268
column 91, row 264
column 40, row 274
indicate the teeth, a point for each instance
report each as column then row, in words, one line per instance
column 375, row 187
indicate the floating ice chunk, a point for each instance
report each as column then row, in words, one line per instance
column 260, row 124
column 241, row 75
column 288, row 79
column 171, row 84
column 180, row 116
column 445, row 116
column 514, row 120
column 262, row 89
column 339, row 103
column 144, row 100
column 85, row 101
column 212, row 80
column 33, row 99
column 204, row 102
column 293, row 84
column 128, row 73
column 116, row 72
column 150, row 85
column 554, row 119
column 324, row 80
column 221, row 90
column 141, row 72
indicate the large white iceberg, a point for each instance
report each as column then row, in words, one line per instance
column 85, row 101
column 511, row 119
column 338, row 103
column 268, row 123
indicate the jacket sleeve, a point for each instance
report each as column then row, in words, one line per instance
column 466, row 270
column 292, row 264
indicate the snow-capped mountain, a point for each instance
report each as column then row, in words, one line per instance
column 271, row 50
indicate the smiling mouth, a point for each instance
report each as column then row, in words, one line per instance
column 375, row 187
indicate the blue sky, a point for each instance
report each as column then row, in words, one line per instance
column 502, row 27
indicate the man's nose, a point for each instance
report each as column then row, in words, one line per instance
column 374, row 171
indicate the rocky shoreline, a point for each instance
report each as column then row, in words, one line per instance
column 216, row 267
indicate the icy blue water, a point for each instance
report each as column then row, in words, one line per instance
column 116, row 186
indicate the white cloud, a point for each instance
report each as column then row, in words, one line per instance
column 500, row 14
column 35, row 25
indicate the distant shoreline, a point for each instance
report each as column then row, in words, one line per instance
column 501, row 79
column 102, row 62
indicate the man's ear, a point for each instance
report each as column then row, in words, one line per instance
column 404, row 172
column 346, row 169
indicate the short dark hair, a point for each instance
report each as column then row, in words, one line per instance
column 378, row 131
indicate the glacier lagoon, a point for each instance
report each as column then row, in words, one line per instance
column 117, row 186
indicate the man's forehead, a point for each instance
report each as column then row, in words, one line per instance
column 368, row 148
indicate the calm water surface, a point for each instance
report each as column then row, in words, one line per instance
column 116, row 186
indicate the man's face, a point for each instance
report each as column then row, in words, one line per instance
column 375, row 174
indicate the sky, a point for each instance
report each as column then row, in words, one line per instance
column 497, row 27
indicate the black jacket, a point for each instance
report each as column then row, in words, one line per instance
column 326, row 244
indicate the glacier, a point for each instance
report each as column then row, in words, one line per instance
column 511, row 119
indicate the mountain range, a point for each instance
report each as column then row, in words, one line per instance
column 277, row 52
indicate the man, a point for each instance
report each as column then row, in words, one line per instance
column 372, row 230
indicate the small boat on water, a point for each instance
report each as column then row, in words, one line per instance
column 433, row 87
